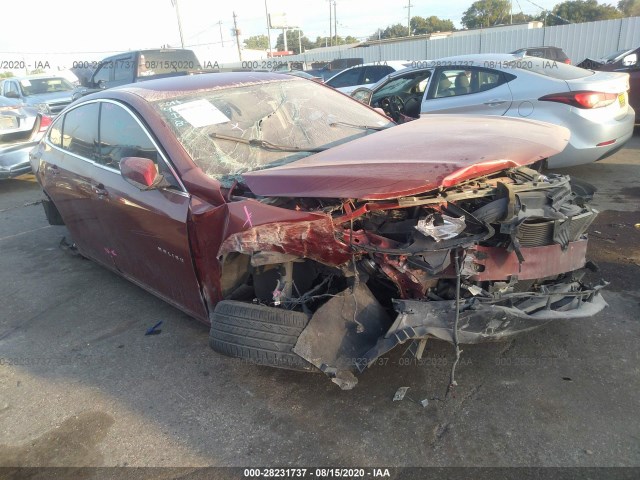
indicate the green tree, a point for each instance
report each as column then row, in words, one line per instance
column 421, row 26
column 392, row 31
column 257, row 42
column 6, row 75
column 486, row 13
column 631, row 8
column 292, row 42
column 578, row 11
column 522, row 18
column 326, row 41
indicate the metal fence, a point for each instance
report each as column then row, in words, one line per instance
column 579, row 40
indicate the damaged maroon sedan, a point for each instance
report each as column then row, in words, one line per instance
column 309, row 233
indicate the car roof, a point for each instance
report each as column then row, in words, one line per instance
column 397, row 64
column 541, row 47
column 149, row 89
column 33, row 77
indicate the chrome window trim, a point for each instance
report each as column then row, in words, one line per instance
column 144, row 129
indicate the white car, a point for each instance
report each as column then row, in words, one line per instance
column 593, row 105
column 365, row 75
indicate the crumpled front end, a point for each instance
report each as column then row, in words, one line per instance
column 478, row 261
column 488, row 319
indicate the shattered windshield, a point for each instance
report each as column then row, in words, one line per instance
column 225, row 130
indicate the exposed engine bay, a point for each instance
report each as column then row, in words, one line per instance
column 479, row 261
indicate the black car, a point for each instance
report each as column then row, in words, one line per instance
column 625, row 61
column 551, row 53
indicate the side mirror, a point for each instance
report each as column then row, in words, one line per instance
column 12, row 94
column 102, row 84
column 630, row 60
column 362, row 94
column 141, row 172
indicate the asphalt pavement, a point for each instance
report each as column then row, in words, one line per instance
column 81, row 384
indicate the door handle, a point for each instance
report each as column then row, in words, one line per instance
column 493, row 103
column 99, row 190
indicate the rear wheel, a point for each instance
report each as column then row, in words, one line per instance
column 258, row 334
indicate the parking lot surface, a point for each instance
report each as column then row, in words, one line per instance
column 81, row 385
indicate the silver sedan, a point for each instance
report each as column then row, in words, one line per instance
column 593, row 105
column 21, row 128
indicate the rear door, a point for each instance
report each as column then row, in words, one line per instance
column 469, row 90
column 67, row 173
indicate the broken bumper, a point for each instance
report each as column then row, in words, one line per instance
column 486, row 319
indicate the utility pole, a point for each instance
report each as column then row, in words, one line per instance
column 299, row 42
column 408, row 7
column 266, row 11
column 219, row 23
column 511, row 14
column 335, row 22
column 237, row 34
column 330, row 26
column 175, row 4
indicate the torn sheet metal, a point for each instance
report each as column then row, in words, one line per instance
column 486, row 320
column 341, row 331
column 493, row 263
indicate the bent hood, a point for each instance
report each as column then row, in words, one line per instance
column 434, row 151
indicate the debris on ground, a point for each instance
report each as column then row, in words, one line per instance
column 154, row 330
column 400, row 393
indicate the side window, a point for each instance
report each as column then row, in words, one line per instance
column 123, row 70
column 456, row 82
column 375, row 72
column 452, row 82
column 346, row 79
column 488, row 80
column 11, row 87
column 104, row 73
column 409, row 84
column 121, row 136
column 55, row 133
column 80, row 130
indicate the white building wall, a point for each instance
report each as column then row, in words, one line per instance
column 579, row 41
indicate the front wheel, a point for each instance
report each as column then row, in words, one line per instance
column 258, row 334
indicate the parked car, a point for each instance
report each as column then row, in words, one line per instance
column 21, row 127
column 550, row 53
column 594, row 106
column 48, row 94
column 626, row 61
column 138, row 66
column 364, row 75
column 308, row 233
column 302, row 74
column 326, row 70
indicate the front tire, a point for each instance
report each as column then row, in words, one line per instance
column 258, row 334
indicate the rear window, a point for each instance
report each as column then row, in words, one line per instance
column 551, row 68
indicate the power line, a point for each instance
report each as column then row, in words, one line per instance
column 548, row 12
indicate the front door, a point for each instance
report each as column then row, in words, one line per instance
column 147, row 230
